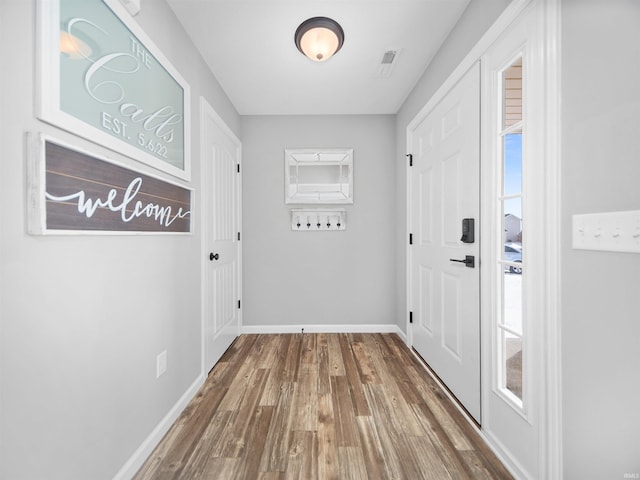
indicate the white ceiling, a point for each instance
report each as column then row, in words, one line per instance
column 248, row 44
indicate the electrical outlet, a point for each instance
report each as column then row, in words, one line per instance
column 161, row 363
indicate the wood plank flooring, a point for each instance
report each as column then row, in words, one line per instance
column 321, row 406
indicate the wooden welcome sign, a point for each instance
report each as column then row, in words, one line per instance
column 75, row 192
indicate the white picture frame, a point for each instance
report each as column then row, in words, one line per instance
column 102, row 86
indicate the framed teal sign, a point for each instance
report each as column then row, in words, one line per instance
column 102, row 78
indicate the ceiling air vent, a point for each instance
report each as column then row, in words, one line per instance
column 389, row 59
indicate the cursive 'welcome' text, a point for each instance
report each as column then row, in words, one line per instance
column 129, row 208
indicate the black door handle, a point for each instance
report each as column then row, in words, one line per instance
column 469, row 261
column 213, row 256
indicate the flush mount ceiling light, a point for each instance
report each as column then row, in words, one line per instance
column 319, row 38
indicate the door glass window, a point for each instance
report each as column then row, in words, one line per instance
column 511, row 320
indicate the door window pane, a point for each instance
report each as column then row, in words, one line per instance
column 512, row 145
column 512, row 299
column 512, row 94
column 512, row 221
column 512, row 345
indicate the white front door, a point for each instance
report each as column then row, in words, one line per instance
column 444, row 188
column 221, row 243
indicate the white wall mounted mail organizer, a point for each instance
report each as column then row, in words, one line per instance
column 318, row 219
column 318, row 176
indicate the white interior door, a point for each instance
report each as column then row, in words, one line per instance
column 444, row 188
column 221, row 244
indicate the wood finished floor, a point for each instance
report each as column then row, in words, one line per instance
column 321, row 406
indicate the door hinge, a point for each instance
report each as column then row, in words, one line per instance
column 238, row 303
column 411, row 239
column 238, row 236
column 410, row 155
column 238, row 167
column 410, row 317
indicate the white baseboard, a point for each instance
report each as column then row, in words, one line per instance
column 503, row 454
column 403, row 336
column 136, row 460
column 348, row 328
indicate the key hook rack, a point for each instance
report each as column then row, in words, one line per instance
column 316, row 219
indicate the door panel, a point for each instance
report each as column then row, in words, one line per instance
column 224, row 291
column 223, row 181
column 450, row 200
column 426, row 206
column 451, row 312
column 426, row 299
column 221, row 196
column 444, row 189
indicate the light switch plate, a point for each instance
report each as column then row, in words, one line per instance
column 610, row 231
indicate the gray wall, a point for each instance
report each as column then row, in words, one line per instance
column 474, row 22
column 600, row 172
column 344, row 277
column 83, row 317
